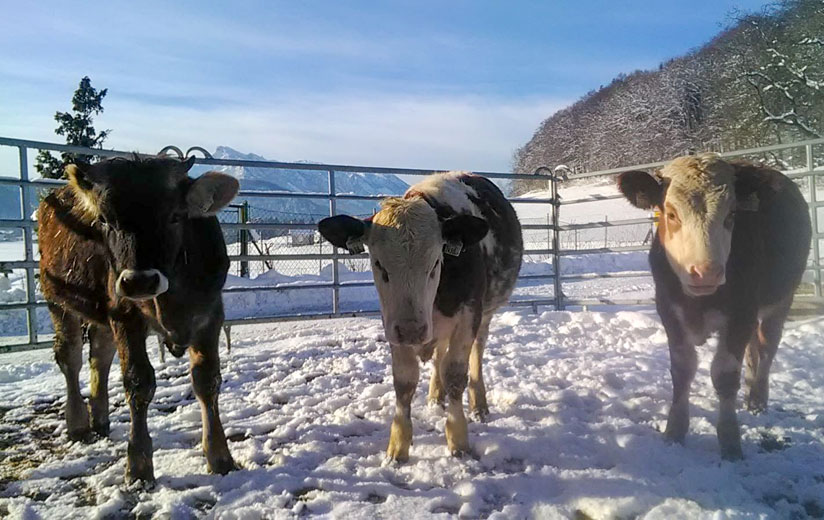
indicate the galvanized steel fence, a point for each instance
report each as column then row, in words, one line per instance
column 554, row 238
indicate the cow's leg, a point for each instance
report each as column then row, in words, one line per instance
column 101, row 353
column 436, row 391
column 205, row 366
column 139, row 383
column 453, row 375
column 68, row 353
column 768, row 336
column 405, row 372
column 477, row 390
column 726, row 378
column 752, row 356
column 683, row 365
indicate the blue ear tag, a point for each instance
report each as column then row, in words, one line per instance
column 453, row 248
column 355, row 245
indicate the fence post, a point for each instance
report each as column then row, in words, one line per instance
column 333, row 210
column 813, row 199
column 556, row 242
column 28, row 243
column 243, row 217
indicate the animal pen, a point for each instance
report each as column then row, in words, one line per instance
column 262, row 240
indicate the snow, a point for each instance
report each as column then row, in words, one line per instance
column 578, row 404
column 578, row 400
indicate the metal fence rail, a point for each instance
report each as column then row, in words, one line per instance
column 548, row 244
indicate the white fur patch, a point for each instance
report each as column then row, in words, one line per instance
column 448, row 190
column 697, row 334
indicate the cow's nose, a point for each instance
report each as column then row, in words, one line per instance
column 709, row 273
column 141, row 285
column 411, row 333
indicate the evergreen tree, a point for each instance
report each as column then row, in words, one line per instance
column 77, row 127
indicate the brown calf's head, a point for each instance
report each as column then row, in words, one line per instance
column 697, row 197
column 140, row 207
column 406, row 242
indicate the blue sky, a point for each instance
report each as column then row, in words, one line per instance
column 446, row 84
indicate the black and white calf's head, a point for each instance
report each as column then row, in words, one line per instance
column 406, row 242
column 140, row 207
column 697, row 197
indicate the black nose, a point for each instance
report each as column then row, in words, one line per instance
column 139, row 285
column 411, row 332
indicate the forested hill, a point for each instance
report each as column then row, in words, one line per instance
column 759, row 82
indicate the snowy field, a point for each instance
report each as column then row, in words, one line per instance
column 578, row 404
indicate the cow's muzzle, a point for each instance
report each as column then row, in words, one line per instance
column 410, row 333
column 141, row 285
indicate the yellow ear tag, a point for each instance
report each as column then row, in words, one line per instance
column 453, row 248
column 355, row 245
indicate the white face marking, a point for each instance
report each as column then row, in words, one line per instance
column 405, row 248
column 696, row 222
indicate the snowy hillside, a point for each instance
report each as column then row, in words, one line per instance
column 578, row 403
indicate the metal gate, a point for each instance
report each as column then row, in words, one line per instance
column 549, row 248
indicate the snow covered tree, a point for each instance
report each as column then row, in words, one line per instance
column 789, row 79
column 77, row 127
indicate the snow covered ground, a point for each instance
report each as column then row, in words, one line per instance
column 578, row 403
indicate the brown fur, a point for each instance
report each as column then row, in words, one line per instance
column 78, row 272
column 769, row 248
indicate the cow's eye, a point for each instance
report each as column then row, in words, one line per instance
column 434, row 269
column 730, row 220
column 176, row 218
column 672, row 216
column 384, row 274
column 102, row 222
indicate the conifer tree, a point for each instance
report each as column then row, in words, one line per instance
column 77, row 127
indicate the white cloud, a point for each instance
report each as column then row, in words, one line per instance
column 455, row 133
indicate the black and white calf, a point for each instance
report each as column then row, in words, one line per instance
column 732, row 244
column 444, row 258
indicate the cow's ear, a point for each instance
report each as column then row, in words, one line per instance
column 78, row 175
column 641, row 189
column 462, row 231
column 345, row 232
column 748, row 178
column 209, row 193
column 186, row 165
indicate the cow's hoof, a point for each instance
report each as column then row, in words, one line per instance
column 480, row 414
column 674, row 437
column 140, row 484
column 139, row 468
column 756, row 406
column 397, row 452
column 434, row 402
column 222, row 466
column 80, row 434
column 732, row 454
column 101, row 429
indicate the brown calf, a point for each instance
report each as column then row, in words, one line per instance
column 127, row 246
column 732, row 245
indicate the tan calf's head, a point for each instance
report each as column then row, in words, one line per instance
column 406, row 242
column 697, row 197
